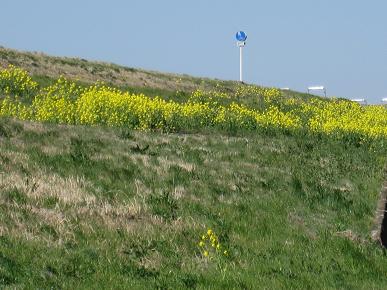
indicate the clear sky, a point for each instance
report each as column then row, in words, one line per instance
column 341, row 44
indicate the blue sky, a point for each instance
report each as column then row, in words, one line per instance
column 341, row 44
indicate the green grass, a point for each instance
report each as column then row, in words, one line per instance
column 112, row 208
column 108, row 208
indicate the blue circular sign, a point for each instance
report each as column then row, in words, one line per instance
column 241, row 36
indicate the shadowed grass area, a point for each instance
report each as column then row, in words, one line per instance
column 102, row 208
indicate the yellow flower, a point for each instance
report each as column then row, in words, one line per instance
column 66, row 102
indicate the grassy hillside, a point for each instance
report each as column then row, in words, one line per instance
column 46, row 69
column 95, row 207
column 226, row 187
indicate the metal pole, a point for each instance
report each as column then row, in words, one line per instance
column 240, row 63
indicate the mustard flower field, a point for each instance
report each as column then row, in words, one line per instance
column 66, row 102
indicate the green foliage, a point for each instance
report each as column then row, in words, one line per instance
column 4, row 132
column 15, row 195
column 8, row 270
column 126, row 134
column 163, row 205
column 80, row 150
column 15, row 81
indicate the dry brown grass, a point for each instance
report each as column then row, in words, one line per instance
column 76, row 204
column 91, row 71
column 71, row 190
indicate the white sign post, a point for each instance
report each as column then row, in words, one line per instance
column 241, row 42
column 241, row 45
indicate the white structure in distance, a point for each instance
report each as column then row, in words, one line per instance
column 384, row 100
column 360, row 101
column 318, row 88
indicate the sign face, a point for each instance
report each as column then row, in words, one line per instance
column 241, row 43
column 241, row 36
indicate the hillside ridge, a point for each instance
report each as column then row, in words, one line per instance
column 38, row 63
